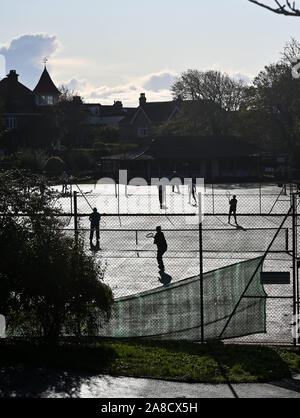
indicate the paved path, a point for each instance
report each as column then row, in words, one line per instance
column 41, row 383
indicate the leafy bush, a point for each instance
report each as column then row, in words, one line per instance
column 110, row 134
column 48, row 284
column 80, row 159
column 30, row 159
column 55, row 166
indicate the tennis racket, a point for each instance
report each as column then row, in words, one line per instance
column 150, row 235
column 228, row 194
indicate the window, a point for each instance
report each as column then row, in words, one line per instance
column 142, row 131
column 11, row 122
column 45, row 100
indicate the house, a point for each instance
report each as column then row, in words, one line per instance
column 107, row 115
column 140, row 122
column 211, row 157
column 24, row 109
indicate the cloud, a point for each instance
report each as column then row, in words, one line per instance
column 161, row 81
column 25, row 54
column 156, row 86
column 246, row 78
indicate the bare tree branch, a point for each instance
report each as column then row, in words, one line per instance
column 287, row 9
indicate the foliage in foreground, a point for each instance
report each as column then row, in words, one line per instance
column 48, row 284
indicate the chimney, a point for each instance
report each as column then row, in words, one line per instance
column 118, row 105
column 13, row 76
column 143, row 99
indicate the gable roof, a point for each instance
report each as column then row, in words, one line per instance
column 46, row 85
column 12, row 88
column 159, row 111
column 155, row 112
column 14, row 95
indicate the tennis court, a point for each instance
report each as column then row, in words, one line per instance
column 130, row 215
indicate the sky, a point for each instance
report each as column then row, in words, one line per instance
column 114, row 50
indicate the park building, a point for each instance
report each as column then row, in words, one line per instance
column 214, row 157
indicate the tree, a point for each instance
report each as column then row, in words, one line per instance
column 211, row 86
column 48, row 284
column 206, row 101
column 70, row 118
column 291, row 52
column 2, row 125
column 274, row 100
column 287, row 9
column 197, row 117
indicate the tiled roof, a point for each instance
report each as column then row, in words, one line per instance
column 46, row 85
column 15, row 89
column 15, row 96
column 156, row 112
column 159, row 111
column 111, row 110
column 194, row 147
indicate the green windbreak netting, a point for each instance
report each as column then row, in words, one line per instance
column 174, row 311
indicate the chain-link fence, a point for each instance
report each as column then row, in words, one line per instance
column 220, row 278
column 263, row 199
column 211, row 285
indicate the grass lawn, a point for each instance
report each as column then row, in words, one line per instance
column 168, row 360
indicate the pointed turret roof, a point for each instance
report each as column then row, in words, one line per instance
column 46, row 85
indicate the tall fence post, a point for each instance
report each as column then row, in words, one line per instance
column 213, row 197
column 71, row 198
column 295, row 267
column 201, row 266
column 75, row 216
column 287, row 240
column 260, row 196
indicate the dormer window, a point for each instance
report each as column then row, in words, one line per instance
column 45, row 100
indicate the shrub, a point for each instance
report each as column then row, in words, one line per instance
column 47, row 282
column 34, row 160
column 81, row 159
column 55, row 166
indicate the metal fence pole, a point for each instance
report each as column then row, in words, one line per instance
column 75, row 216
column 287, row 240
column 294, row 255
column 260, row 196
column 71, row 198
column 213, row 198
column 201, row 266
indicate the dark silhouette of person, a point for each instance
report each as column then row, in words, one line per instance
column 165, row 279
column 175, row 176
column 95, row 218
column 232, row 209
column 161, row 194
column 192, row 191
column 65, row 179
column 160, row 241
